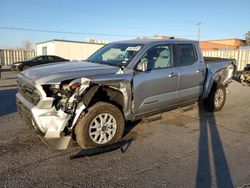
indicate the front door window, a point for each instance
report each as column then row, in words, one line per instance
column 158, row 57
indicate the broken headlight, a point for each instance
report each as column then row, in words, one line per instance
column 66, row 93
column 83, row 82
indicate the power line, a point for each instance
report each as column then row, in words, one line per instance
column 75, row 33
column 78, row 33
column 64, row 32
column 101, row 24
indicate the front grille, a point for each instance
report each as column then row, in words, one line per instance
column 28, row 92
column 24, row 112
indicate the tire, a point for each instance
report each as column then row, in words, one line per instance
column 88, row 129
column 216, row 98
column 25, row 67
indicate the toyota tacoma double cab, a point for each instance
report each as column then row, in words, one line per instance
column 89, row 101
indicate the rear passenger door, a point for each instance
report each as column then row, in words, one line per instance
column 191, row 72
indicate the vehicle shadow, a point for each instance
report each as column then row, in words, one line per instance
column 210, row 141
column 123, row 145
column 7, row 101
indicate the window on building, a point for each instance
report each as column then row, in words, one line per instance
column 44, row 50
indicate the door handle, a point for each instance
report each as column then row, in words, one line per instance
column 172, row 74
column 199, row 71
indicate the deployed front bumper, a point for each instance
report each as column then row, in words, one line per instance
column 48, row 123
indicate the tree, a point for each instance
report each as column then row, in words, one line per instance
column 27, row 45
column 247, row 39
column 247, row 36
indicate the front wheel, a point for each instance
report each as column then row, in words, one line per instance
column 103, row 124
column 216, row 99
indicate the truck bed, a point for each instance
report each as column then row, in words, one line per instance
column 216, row 59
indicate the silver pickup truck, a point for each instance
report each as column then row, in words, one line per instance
column 90, row 101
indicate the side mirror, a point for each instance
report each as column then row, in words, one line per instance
column 99, row 58
column 143, row 65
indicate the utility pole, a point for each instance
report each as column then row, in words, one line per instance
column 199, row 30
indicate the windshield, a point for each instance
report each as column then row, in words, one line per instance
column 115, row 54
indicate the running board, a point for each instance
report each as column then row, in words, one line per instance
column 187, row 108
column 149, row 119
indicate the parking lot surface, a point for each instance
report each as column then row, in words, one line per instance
column 183, row 149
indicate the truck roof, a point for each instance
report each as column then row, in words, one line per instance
column 153, row 41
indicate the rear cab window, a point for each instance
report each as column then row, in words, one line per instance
column 184, row 54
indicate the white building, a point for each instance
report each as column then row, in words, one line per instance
column 72, row 50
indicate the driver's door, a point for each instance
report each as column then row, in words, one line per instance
column 156, row 88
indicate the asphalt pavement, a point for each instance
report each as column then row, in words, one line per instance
column 183, row 149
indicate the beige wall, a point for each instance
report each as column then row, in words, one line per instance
column 69, row 50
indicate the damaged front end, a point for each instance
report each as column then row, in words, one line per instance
column 245, row 76
column 56, row 109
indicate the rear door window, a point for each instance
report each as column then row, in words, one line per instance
column 57, row 58
column 51, row 58
column 45, row 59
column 41, row 59
column 184, row 54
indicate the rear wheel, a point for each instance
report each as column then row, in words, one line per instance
column 216, row 99
column 103, row 124
column 25, row 67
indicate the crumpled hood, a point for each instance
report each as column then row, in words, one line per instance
column 61, row 71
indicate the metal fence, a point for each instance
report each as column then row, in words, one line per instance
column 9, row 56
column 242, row 56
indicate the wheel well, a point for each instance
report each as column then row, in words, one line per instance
column 98, row 93
column 104, row 93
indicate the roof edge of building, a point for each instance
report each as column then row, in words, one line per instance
column 221, row 39
column 62, row 40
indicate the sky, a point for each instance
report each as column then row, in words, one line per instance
column 41, row 20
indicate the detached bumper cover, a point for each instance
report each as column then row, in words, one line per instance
column 48, row 123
